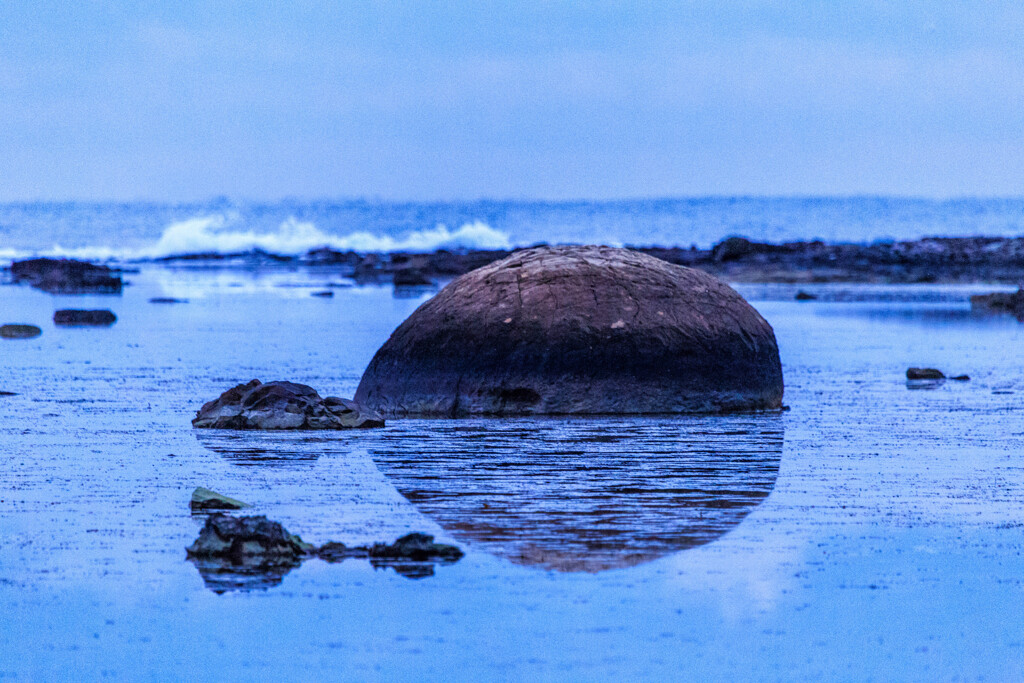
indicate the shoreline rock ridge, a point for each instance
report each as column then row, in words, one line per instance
column 577, row 330
column 282, row 405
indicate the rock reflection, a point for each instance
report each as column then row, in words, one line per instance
column 584, row 494
column 264, row 448
column 221, row 577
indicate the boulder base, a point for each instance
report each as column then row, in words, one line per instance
column 577, row 330
column 282, row 405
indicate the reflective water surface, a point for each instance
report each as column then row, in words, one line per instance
column 869, row 533
column 583, row 494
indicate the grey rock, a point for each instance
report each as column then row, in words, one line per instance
column 205, row 499
column 250, row 541
column 924, row 373
column 15, row 331
column 81, row 318
column 282, row 405
column 577, row 330
column 65, row 276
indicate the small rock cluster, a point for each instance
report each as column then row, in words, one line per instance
column 236, row 553
column 282, row 405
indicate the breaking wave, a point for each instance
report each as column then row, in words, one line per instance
column 219, row 234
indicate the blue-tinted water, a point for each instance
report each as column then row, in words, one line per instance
column 143, row 230
column 871, row 532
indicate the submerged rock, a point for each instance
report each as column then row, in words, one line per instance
column 282, row 405
column 167, row 300
column 924, row 373
column 75, row 318
column 1000, row 302
column 250, row 541
column 205, row 499
column 577, row 330
column 16, row 331
column 66, row 276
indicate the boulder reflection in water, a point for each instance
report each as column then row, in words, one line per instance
column 584, row 494
column 265, row 448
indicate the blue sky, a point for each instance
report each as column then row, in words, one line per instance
column 432, row 100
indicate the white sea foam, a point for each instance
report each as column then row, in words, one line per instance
column 220, row 234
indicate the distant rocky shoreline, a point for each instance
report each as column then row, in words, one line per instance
column 952, row 260
column 736, row 259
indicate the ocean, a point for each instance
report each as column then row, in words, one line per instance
column 872, row 531
column 140, row 230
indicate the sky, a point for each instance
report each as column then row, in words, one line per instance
column 427, row 100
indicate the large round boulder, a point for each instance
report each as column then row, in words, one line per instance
column 577, row 330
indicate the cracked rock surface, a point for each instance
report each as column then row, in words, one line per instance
column 577, row 330
column 282, row 405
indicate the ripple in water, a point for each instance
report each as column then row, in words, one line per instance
column 583, row 494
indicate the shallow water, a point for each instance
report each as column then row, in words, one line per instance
column 871, row 532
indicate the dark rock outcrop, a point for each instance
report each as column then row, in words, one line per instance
column 577, row 330
column 79, row 318
column 924, row 373
column 1000, row 302
column 16, row 331
column 282, row 405
column 66, row 276
column 251, row 541
column 204, row 499
column 324, row 294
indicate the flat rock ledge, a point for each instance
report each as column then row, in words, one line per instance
column 67, row 276
column 577, row 330
column 282, row 405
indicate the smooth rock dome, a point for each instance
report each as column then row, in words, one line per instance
column 577, row 330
